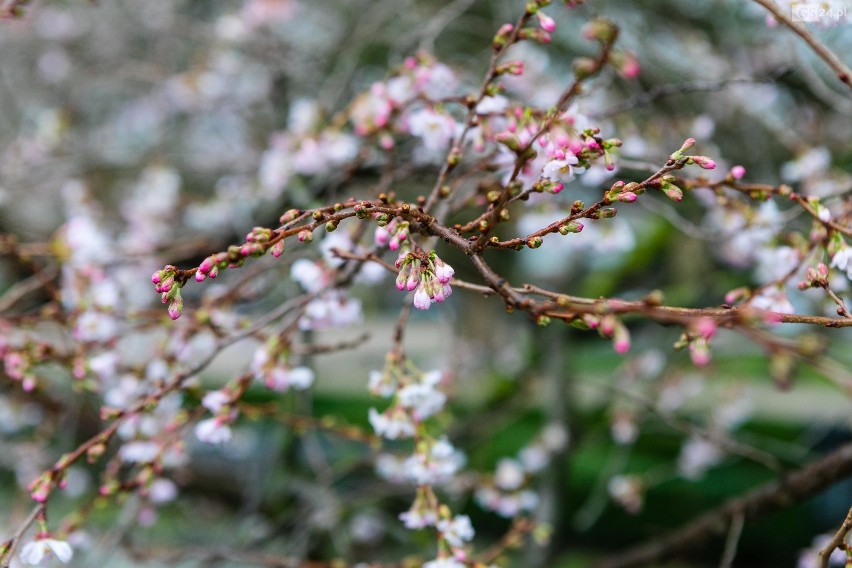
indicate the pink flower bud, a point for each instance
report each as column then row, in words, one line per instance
column 736, row 294
column 412, row 282
column 545, row 21
column 444, row 272
column 630, row 67
column 607, row 326
column 176, row 307
column 674, row 193
column 381, row 236
column 699, row 353
column 206, row 265
column 705, row 327
column 704, row 162
column 422, row 301
column 737, row 172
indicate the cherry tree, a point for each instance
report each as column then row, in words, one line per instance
column 608, row 229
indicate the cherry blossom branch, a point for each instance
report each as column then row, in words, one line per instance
column 836, row 541
column 588, row 212
column 512, row 539
column 8, row 548
column 792, row 488
column 454, row 154
column 591, row 68
column 843, row 72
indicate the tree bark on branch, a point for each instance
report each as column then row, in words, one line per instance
column 793, row 488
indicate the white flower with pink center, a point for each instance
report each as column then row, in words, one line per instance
column 561, row 169
column 435, row 129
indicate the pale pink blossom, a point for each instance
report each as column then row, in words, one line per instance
column 213, row 431
column 215, row 400
column 457, row 531
column 391, row 424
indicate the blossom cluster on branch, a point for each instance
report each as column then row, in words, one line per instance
column 336, row 207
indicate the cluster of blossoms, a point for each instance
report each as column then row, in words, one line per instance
column 508, row 491
column 416, row 398
column 434, row 462
column 427, row 275
column 270, row 365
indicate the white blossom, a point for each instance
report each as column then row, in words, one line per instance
column 36, row 552
column 423, row 400
column 397, row 425
column 458, row 531
column 509, row 474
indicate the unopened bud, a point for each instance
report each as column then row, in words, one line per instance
column 601, row 30
column 738, row 172
column 535, row 34
column 584, row 67
column 673, row 192
column 704, row 162
column 509, row 140
column 570, row 227
column 510, row 68
column 289, row 216
column 546, row 22
column 502, row 36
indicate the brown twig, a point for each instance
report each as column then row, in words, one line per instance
column 843, row 72
column 839, row 536
column 6, row 559
column 793, row 488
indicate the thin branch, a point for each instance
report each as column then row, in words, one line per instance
column 6, row 559
column 843, row 72
column 662, row 91
column 774, row 496
column 436, row 24
column 838, row 539
column 30, row 284
column 732, row 541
